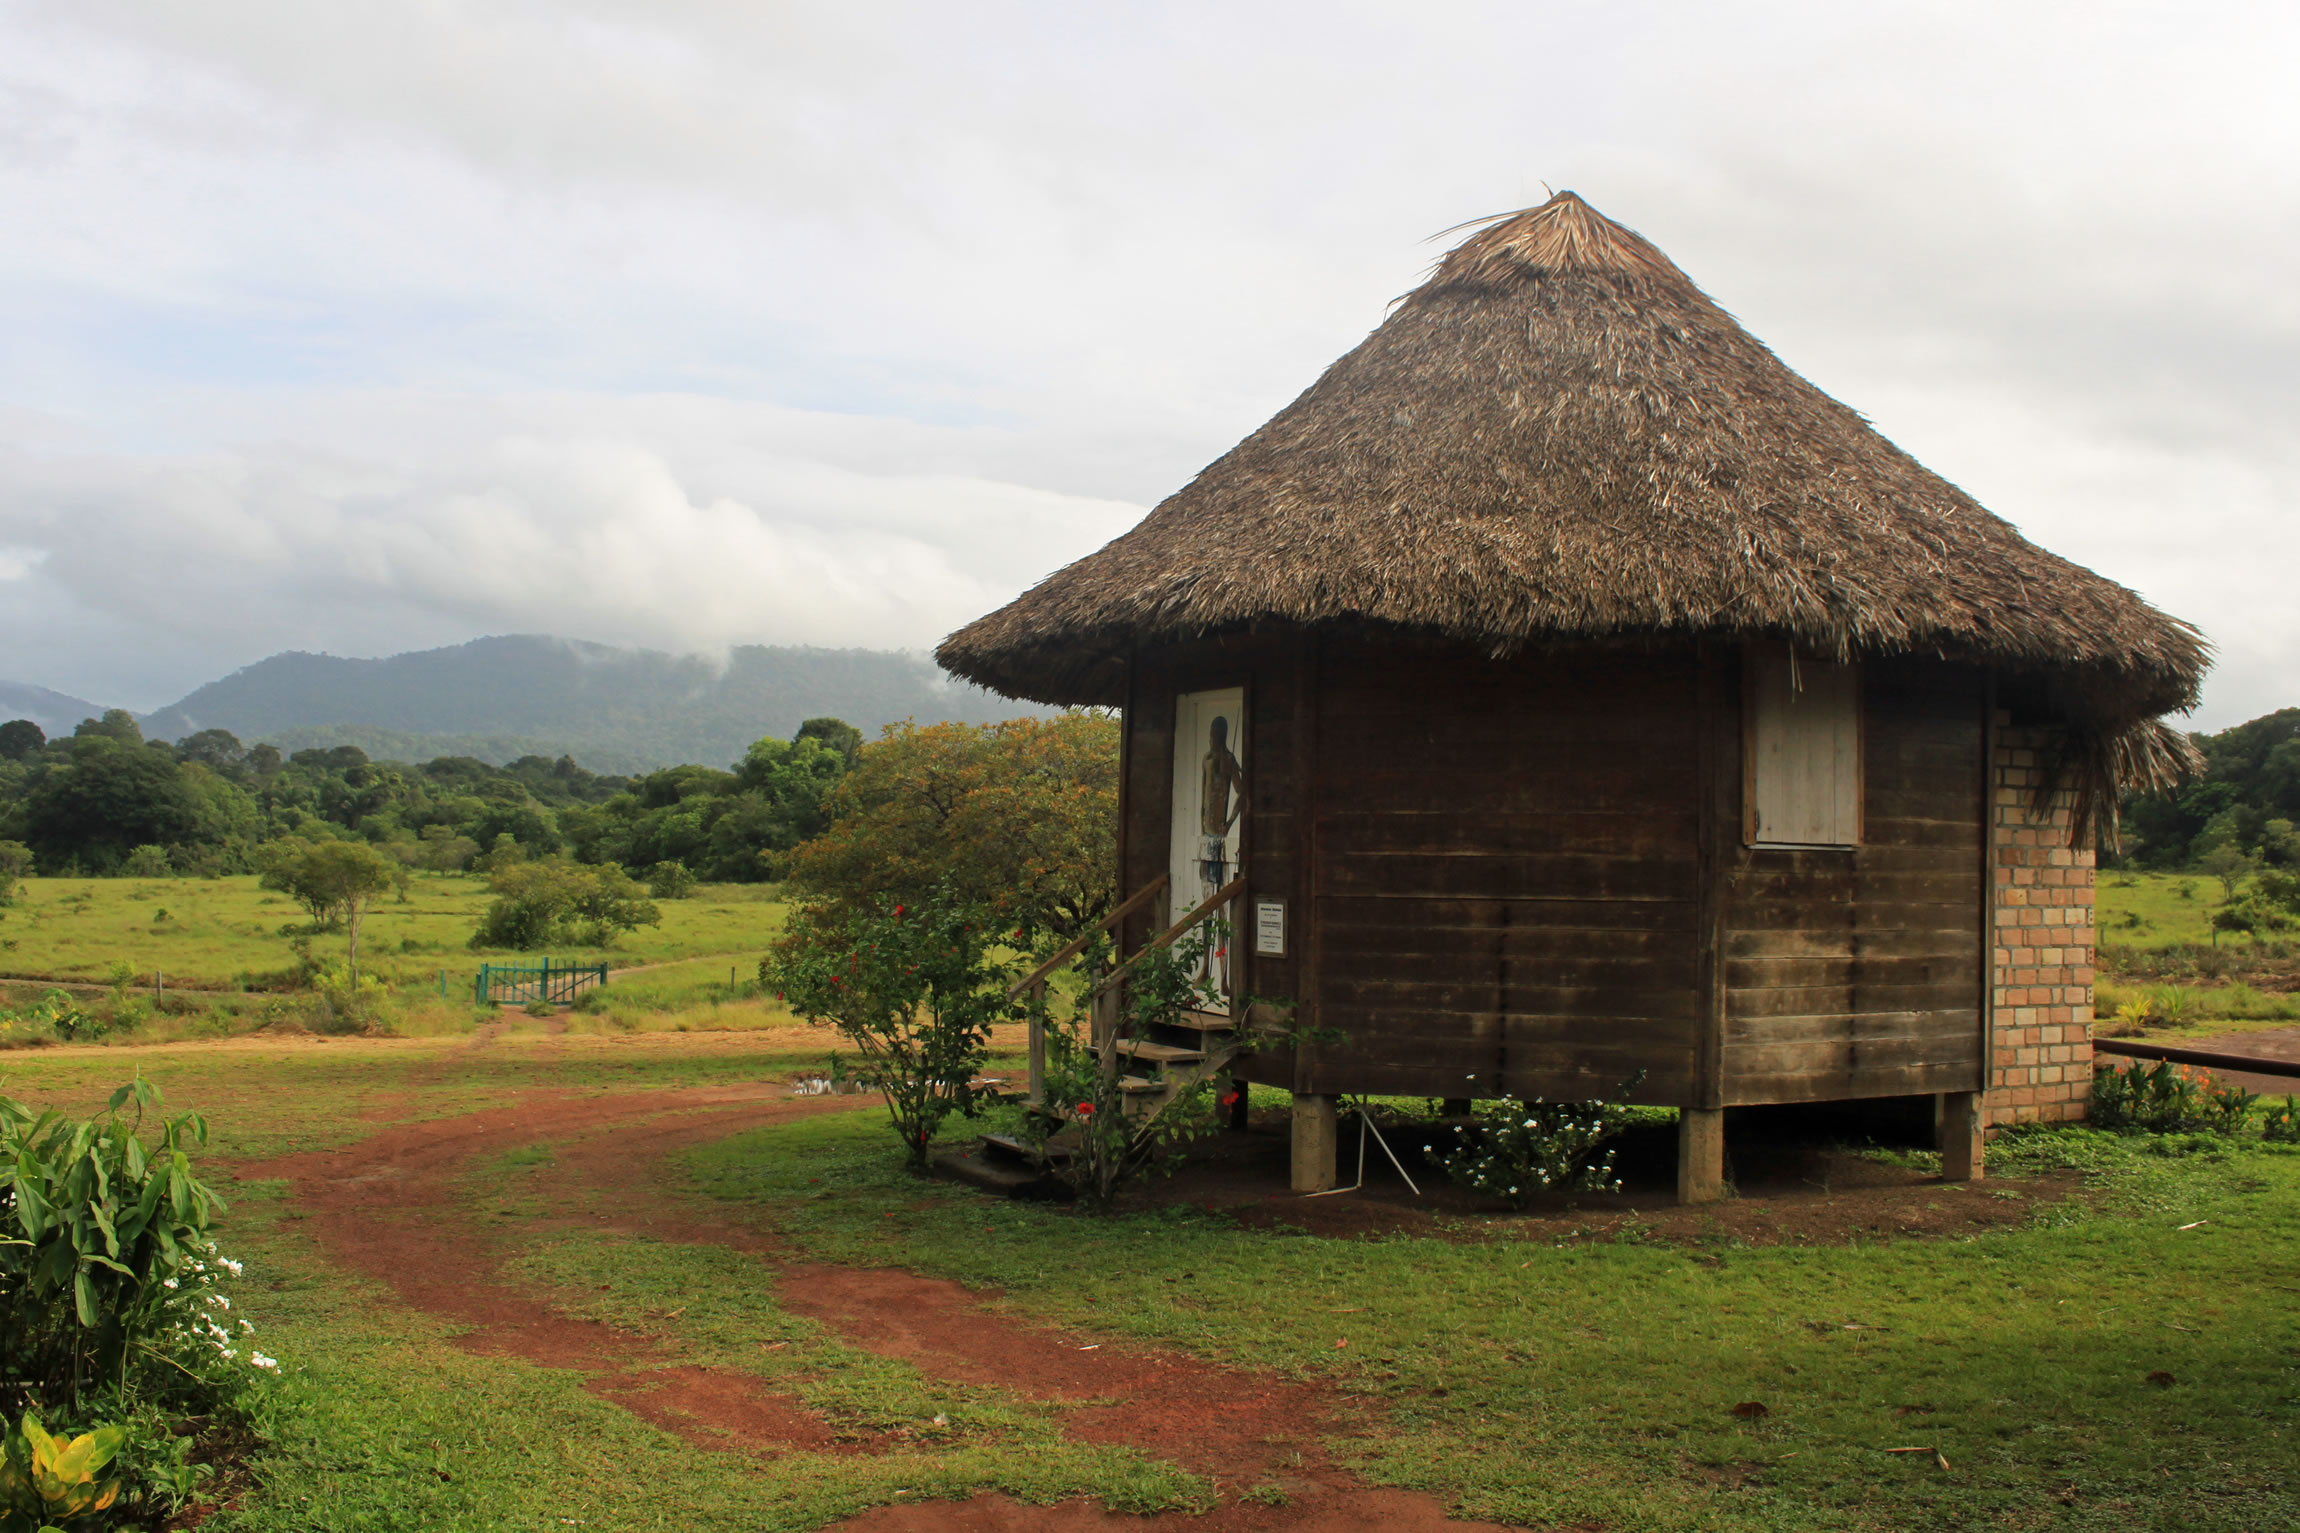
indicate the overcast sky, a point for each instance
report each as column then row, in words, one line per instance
column 363, row 327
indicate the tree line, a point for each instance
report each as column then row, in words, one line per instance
column 2245, row 805
column 104, row 801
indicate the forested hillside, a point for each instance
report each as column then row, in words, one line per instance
column 617, row 709
column 2248, row 799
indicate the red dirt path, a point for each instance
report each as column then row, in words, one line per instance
column 393, row 1209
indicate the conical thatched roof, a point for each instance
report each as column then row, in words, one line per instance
column 1559, row 437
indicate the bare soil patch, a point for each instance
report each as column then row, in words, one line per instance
column 395, row 1208
column 1795, row 1187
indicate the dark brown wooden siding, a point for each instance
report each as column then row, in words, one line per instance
column 1506, row 874
column 1857, row 973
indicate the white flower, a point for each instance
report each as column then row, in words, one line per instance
column 219, row 1300
column 229, row 1354
column 167, row 1282
column 236, row 1269
column 248, row 1326
column 270, row 1363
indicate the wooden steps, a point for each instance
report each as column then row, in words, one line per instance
column 1159, row 1053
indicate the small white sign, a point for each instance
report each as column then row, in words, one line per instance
column 1269, row 928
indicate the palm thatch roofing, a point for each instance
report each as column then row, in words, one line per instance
column 1558, row 437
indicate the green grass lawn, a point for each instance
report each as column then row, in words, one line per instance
column 2151, row 910
column 227, row 932
column 1520, row 1380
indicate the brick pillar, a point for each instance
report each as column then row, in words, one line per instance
column 2041, row 961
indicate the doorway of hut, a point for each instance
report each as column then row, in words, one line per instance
column 1209, row 813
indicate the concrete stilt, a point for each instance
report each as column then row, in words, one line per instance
column 1317, row 1136
column 1700, row 1154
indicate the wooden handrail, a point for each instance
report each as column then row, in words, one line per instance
column 1077, row 945
column 1166, row 938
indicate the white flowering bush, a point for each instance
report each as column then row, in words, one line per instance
column 113, row 1301
column 1517, row 1149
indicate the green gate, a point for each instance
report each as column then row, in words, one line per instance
column 519, row 984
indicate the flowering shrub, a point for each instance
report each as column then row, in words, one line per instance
column 53, row 1015
column 112, row 1307
column 914, row 988
column 2165, row 1098
column 2281, row 1125
column 1516, row 1149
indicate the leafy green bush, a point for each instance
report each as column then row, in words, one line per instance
column 1517, row 1149
column 670, row 881
column 53, row 1015
column 541, row 903
column 15, row 867
column 2165, row 1098
column 2281, row 1124
column 111, row 1301
column 345, row 1002
column 45, row 1482
column 915, row 988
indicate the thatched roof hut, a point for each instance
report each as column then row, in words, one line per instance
column 1580, row 694
column 1559, row 436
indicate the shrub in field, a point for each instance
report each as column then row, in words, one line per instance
column 146, row 861
column 2165, row 1098
column 53, row 1015
column 552, row 900
column 15, row 867
column 915, row 988
column 111, row 1302
column 670, row 881
column 2281, row 1124
column 1516, row 1149
column 345, row 1002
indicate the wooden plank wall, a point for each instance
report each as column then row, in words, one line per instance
column 1856, row 973
column 1507, row 869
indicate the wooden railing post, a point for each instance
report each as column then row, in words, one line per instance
column 1038, row 1043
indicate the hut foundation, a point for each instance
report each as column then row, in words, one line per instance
column 1700, row 1154
column 1317, row 1136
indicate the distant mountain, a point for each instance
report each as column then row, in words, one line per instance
column 612, row 709
column 55, row 712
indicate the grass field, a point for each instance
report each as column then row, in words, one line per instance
column 2121, row 1360
column 2149, row 910
column 226, row 933
column 2157, row 952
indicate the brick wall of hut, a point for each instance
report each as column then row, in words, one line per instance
column 2042, row 959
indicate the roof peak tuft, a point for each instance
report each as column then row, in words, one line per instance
column 1564, row 234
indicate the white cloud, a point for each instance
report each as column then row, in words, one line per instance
column 327, row 324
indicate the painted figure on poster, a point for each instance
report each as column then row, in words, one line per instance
column 1221, row 799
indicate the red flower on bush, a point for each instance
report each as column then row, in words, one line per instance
column 1086, row 1109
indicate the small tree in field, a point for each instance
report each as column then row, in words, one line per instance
column 15, row 867
column 914, row 988
column 554, row 900
column 335, row 880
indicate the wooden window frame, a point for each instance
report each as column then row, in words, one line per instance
column 1753, row 655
